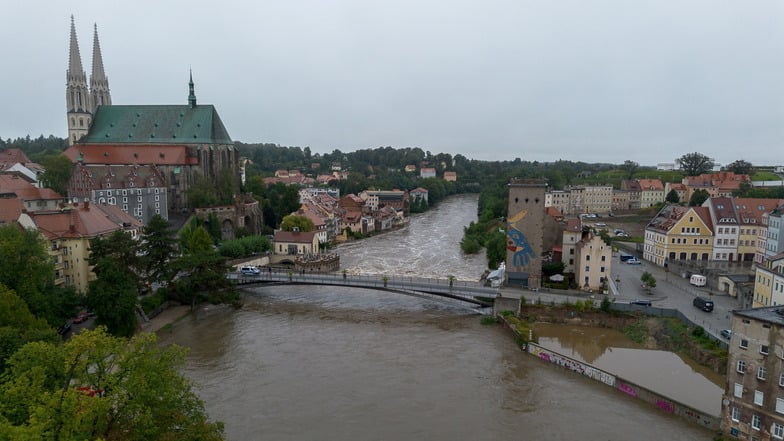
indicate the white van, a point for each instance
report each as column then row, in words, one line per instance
column 698, row 280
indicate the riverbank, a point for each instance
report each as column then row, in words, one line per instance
column 166, row 317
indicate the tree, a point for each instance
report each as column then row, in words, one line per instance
column 292, row 221
column 158, row 248
column 96, row 386
column 203, row 276
column 739, row 167
column 648, row 280
column 194, row 237
column 695, row 164
column 18, row 326
column 58, row 169
column 112, row 295
column 117, row 251
column 630, row 167
column 698, row 198
column 28, row 270
column 672, row 197
column 201, row 193
column 227, row 186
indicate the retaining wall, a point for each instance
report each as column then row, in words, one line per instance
column 629, row 388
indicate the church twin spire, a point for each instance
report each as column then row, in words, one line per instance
column 81, row 101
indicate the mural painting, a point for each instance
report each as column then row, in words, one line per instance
column 516, row 241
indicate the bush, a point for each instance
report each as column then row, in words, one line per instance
column 151, row 302
column 488, row 320
column 606, row 304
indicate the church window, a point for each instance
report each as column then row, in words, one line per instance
column 81, row 122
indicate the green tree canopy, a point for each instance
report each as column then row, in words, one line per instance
column 695, row 164
column 203, row 277
column 158, row 247
column 293, row 221
column 740, row 167
column 672, row 197
column 28, row 270
column 57, row 172
column 112, row 295
column 698, row 198
column 630, row 167
column 648, row 280
column 18, row 326
column 194, row 238
column 96, row 386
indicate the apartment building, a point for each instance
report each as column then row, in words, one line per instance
column 679, row 233
column 753, row 401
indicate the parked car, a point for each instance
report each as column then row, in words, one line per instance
column 641, row 302
column 250, row 270
column 601, row 224
column 703, row 303
column 726, row 333
column 633, row 261
column 81, row 318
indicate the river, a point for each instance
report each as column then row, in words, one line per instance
column 328, row 363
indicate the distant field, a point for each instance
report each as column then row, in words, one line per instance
column 765, row 176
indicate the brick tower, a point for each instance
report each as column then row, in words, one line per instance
column 525, row 232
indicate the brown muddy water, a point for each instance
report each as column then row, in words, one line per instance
column 667, row 373
column 304, row 363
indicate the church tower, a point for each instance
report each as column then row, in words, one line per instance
column 99, row 84
column 77, row 95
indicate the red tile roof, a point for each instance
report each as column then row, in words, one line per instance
column 294, row 236
column 24, row 189
column 84, row 220
column 9, row 157
column 10, row 210
column 130, row 154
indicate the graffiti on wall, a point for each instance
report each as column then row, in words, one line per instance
column 516, row 242
column 572, row 365
column 627, row 389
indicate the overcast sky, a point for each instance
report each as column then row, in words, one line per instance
column 587, row 80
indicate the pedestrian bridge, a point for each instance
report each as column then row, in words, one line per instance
column 466, row 291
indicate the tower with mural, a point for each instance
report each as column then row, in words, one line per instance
column 525, row 232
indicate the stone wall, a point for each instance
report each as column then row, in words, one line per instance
column 629, row 388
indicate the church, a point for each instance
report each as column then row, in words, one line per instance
column 142, row 158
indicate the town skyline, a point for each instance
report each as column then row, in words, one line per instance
column 592, row 83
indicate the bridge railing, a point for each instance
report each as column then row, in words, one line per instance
column 442, row 285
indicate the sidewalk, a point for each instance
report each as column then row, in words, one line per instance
column 166, row 317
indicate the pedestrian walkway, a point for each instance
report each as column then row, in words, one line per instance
column 167, row 316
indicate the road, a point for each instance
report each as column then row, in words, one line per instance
column 671, row 291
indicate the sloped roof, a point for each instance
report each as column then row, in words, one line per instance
column 574, row 225
column 294, row 236
column 10, row 210
column 724, row 210
column 750, row 210
column 130, row 154
column 9, row 157
column 166, row 124
column 651, row 185
column 24, row 189
column 85, row 221
column 670, row 215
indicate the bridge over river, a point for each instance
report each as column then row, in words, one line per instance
column 466, row 291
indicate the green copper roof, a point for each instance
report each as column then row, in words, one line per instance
column 176, row 124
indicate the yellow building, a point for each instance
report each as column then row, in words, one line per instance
column 769, row 282
column 679, row 234
column 69, row 231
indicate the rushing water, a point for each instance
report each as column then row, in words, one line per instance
column 328, row 363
